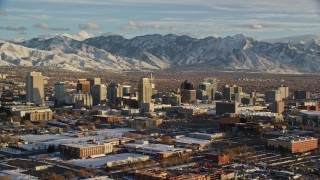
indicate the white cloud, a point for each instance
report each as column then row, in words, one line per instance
column 132, row 25
column 88, row 26
column 137, row 25
column 257, row 26
column 50, row 28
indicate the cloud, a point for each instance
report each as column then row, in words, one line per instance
column 19, row 29
column 89, row 26
column 133, row 25
column 257, row 26
column 49, row 28
column 80, row 36
column 3, row 12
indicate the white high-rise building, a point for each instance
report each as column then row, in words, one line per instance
column 35, row 88
column 145, row 90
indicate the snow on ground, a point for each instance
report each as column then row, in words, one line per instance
column 16, row 175
column 32, row 147
column 10, row 150
column 114, row 132
column 99, row 178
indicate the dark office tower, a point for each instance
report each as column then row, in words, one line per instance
column 98, row 93
column 94, row 81
column 188, row 94
column 187, row 85
column 228, row 92
column 126, row 90
column 114, row 92
column 60, row 91
column 301, row 94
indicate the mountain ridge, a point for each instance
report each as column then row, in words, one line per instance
column 156, row 51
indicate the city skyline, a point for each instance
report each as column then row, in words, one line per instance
column 129, row 18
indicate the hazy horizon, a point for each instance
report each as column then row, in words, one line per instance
column 26, row 19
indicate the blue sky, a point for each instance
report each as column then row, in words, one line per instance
column 80, row 19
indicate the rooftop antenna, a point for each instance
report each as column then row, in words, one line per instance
column 282, row 81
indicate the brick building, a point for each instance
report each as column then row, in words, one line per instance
column 108, row 119
column 217, row 158
column 75, row 151
column 293, row 144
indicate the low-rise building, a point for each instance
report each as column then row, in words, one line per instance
column 193, row 143
column 207, row 136
column 293, row 144
column 226, row 107
column 108, row 119
column 75, row 151
column 220, row 159
column 32, row 113
column 159, row 151
column 310, row 118
column 144, row 123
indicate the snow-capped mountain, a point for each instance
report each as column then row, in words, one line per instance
column 160, row 52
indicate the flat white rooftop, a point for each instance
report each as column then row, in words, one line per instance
column 188, row 140
column 98, row 162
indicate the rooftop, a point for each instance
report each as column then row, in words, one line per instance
column 293, row 138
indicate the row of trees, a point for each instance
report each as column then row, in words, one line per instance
column 9, row 139
column 232, row 152
column 82, row 173
column 175, row 160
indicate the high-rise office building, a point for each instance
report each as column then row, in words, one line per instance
column 114, row 92
column 84, row 86
column 273, row 96
column 298, row 94
column 228, row 92
column 35, row 88
column 126, row 90
column 60, row 91
column 208, row 89
column 80, row 100
column 284, row 90
column 277, row 107
column 188, row 93
column 145, row 90
column 98, row 93
column 94, row 81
